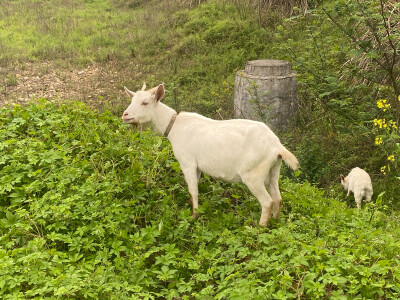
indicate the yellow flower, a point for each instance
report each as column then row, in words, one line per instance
column 398, row 98
column 391, row 157
column 378, row 141
column 393, row 124
column 380, row 122
column 382, row 103
column 383, row 170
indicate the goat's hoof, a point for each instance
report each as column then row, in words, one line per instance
column 195, row 215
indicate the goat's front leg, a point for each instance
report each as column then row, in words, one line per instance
column 192, row 177
column 190, row 201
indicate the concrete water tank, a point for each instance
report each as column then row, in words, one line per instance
column 266, row 91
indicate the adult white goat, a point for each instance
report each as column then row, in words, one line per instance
column 231, row 150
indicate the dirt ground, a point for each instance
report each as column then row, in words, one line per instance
column 95, row 85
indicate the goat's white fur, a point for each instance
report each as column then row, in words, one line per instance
column 231, row 150
column 358, row 182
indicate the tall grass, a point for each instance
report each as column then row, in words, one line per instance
column 77, row 31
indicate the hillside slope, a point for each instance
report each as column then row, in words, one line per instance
column 89, row 50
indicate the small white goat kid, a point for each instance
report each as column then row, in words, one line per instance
column 231, row 150
column 358, row 182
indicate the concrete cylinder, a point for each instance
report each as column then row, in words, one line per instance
column 266, row 91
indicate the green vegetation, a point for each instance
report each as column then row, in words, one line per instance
column 345, row 55
column 91, row 209
column 75, row 32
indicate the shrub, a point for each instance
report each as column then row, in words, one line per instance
column 387, row 140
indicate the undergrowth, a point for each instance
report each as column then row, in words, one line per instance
column 91, row 209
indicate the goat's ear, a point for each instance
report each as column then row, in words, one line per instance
column 130, row 93
column 341, row 177
column 159, row 92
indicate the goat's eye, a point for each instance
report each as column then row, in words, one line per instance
column 145, row 103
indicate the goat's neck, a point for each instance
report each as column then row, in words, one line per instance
column 161, row 117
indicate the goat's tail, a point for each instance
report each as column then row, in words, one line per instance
column 289, row 159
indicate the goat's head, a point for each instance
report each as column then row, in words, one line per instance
column 344, row 181
column 143, row 104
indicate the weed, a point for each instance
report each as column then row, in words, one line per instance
column 11, row 80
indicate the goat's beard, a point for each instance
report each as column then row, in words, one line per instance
column 134, row 126
column 138, row 126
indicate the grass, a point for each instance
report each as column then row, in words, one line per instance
column 195, row 50
column 76, row 31
column 188, row 49
column 91, row 209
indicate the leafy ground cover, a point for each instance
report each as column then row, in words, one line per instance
column 93, row 210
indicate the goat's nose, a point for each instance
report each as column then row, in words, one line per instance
column 124, row 114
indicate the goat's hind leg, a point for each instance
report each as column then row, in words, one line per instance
column 358, row 199
column 257, row 188
column 368, row 196
column 273, row 188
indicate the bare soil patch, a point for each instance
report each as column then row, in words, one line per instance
column 97, row 85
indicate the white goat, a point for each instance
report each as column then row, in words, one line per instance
column 231, row 150
column 358, row 182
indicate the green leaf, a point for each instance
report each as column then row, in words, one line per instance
column 355, row 53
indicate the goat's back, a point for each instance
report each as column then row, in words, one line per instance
column 223, row 149
column 359, row 181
